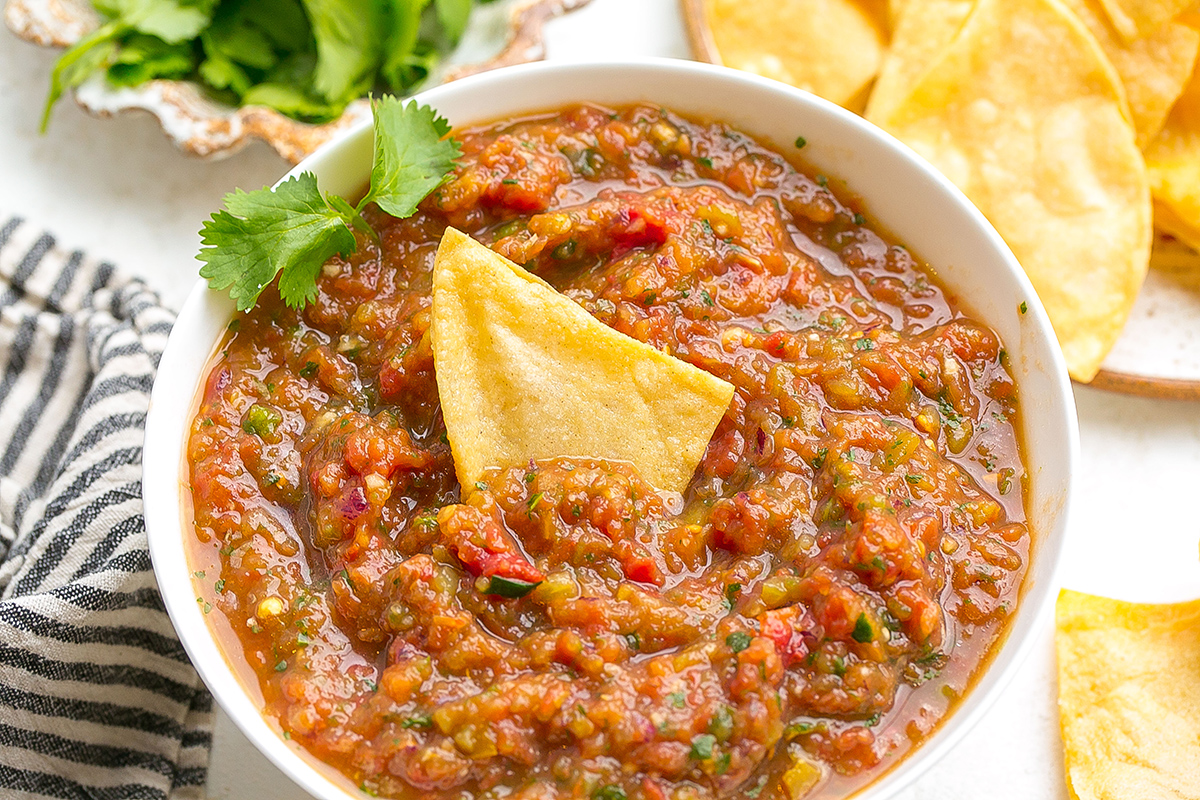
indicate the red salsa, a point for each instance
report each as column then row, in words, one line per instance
column 846, row 556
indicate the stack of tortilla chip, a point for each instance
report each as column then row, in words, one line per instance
column 1074, row 125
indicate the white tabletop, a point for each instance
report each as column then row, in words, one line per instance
column 118, row 189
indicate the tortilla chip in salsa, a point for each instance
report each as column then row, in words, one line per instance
column 1129, row 698
column 525, row 373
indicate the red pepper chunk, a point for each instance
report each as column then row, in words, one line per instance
column 786, row 627
column 484, row 546
column 637, row 226
column 637, row 563
column 381, row 449
column 777, row 343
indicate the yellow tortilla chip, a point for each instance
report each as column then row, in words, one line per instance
column 525, row 373
column 1166, row 220
column 1134, row 19
column 1173, row 165
column 1173, row 257
column 923, row 29
column 1153, row 69
column 894, row 7
column 1026, row 115
column 1129, row 698
column 831, row 48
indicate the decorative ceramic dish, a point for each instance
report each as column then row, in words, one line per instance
column 500, row 34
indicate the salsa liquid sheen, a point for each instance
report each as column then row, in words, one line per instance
column 846, row 555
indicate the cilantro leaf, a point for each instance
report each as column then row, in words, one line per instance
column 172, row 21
column 143, row 58
column 283, row 21
column 453, row 15
column 262, row 233
column 350, row 215
column 412, row 155
column 349, row 46
column 400, row 60
column 291, row 101
column 305, row 58
column 169, row 21
column 221, row 73
column 236, row 39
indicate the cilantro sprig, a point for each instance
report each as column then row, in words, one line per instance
column 293, row 230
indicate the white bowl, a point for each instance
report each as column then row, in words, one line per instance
column 901, row 191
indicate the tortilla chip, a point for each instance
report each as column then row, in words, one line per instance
column 1177, row 260
column 1026, row 115
column 923, row 30
column 831, row 48
column 1166, row 220
column 1129, row 698
column 1135, row 19
column 525, row 373
column 894, row 7
column 1173, row 166
column 1154, row 69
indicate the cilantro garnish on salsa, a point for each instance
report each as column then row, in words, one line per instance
column 292, row 230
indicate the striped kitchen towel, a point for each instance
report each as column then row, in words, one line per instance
column 97, row 697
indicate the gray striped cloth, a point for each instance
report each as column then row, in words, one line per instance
column 97, row 698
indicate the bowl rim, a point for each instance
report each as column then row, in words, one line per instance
column 167, row 509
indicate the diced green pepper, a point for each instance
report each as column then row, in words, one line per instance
column 738, row 641
column 510, row 587
column 418, row 721
column 564, row 250
column 720, row 724
column 702, row 746
column 863, row 631
column 261, row 420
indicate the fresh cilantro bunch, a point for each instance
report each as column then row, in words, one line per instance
column 293, row 230
column 304, row 58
